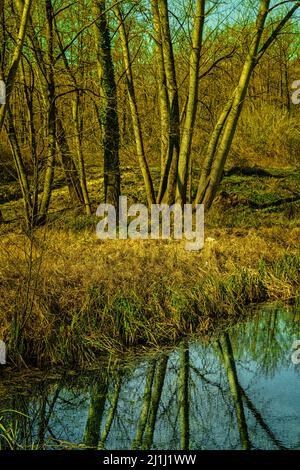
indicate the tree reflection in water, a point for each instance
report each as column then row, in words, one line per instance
column 240, row 391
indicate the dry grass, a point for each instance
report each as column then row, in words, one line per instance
column 268, row 136
column 65, row 297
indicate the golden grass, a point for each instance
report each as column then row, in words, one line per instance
column 65, row 297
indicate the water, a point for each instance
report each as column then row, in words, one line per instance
column 239, row 390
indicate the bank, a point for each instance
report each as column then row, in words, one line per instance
column 67, row 298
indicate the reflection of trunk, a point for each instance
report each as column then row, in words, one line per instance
column 69, row 167
column 44, row 416
column 108, row 108
column 20, row 421
column 229, row 364
column 183, row 395
column 155, row 399
column 42, row 423
column 261, row 421
column 96, row 410
column 111, row 413
column 134, row 109
column 145, row 407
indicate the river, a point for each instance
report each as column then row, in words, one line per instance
column 238, row 389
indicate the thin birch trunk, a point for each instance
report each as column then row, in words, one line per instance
column 191, row 110
column 137, row 129
column 168, row 185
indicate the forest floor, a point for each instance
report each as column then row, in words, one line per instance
column 249, row 197
column 68, row 297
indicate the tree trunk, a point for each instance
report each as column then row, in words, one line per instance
column 81, row 165
column 78, row 120
column 28, row 89
column 69, row 167
column 20, row 167
column 108, row 108
column 163, row 100
column 237, row 105
column 168, row 184
column 134, row 110
column 211, row 149
column 16, row 57
column 51, row 117
column 191, row 110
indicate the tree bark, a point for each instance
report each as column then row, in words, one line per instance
column 191, row 110
column 168, row 185
column 134, row 109
column 163, row 99
column 108, row 112
column 51, row 115
column 69, row 167
column 228, row 121
column 16, row 57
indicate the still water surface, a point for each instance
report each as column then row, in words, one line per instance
column 239, row 390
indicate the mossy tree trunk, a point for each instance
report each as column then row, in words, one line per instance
column 108, row 112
